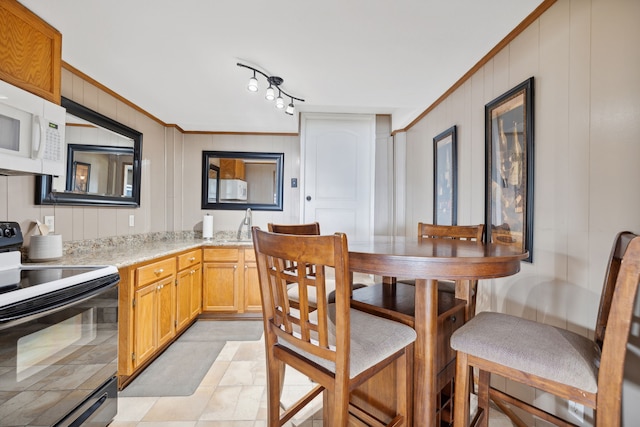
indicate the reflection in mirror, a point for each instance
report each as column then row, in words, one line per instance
column 103, row 163
column 99, row 169
column 241, row 180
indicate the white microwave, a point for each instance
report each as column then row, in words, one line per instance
column 31, row 134
column 233, row 189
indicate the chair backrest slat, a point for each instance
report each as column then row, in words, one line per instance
column 458, row 232
column 312, row 228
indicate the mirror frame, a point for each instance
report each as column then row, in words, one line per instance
column 279, row 160
column 44, row 195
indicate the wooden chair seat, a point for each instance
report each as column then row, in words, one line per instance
column 557, row 361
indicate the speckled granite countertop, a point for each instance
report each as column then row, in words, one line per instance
column 130, row 250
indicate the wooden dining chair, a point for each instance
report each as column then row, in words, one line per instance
column 312, row 229
column 456, row 232
column 337, row 347
column 562, row 363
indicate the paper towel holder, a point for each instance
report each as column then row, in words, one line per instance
column 207, row 227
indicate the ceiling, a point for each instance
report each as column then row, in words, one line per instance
column 177, row 59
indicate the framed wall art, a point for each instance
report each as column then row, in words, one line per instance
column 509, row 168
column 445, row 178
column 81, row 175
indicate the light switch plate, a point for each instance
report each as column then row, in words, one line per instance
column 50, row 222
column 132, row 220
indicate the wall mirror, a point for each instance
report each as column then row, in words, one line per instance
column 241, row 180
column 103, row 163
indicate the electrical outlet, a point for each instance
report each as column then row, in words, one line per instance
column 132, row 220
column 577, row 411
column 50, row 222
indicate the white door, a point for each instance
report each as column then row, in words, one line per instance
column 338, row 173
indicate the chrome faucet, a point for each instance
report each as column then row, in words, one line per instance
column 246, row 222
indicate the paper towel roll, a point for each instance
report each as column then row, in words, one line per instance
column 207, row 227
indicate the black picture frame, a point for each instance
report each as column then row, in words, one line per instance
column 445, row 178
column 81, row 177
column 509, row 166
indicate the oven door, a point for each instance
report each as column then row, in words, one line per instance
column 59, row 356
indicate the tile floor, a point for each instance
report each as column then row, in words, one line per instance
column 232, row 394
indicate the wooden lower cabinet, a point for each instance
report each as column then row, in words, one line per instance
column 158, row 299
column 230, row 281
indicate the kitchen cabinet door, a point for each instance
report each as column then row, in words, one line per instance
column 166, row 319
column 196, row 292
column 183, row 299
column 221, row 287
column 188, row 295
column 145, row 330
column 252, row 299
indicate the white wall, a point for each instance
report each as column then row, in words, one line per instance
column 584, row 58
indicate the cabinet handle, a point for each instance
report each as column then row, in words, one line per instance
column 192, row 259
column 158, row 271
column 453, row 319
column 235, row 267
column 193, row 272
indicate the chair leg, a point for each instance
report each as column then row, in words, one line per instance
column 402, row 396
column 339, row 401
column 275, row 379
column 484, row 378
column 461, row 394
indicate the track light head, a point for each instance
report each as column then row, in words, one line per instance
column 271, row 94
column 290, row 108
column 253, row 83
column 279, row 101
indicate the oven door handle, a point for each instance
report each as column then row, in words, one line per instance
column 42, row 305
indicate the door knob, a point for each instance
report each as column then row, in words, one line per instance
column 308, row 198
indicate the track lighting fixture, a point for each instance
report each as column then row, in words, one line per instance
column 270, row 95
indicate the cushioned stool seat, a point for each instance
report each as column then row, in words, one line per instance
column 531, row 347
column 373, row 339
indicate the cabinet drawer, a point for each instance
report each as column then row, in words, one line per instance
column 189, row 259
column 222, row 254
column 155, row 271
column 447, row 324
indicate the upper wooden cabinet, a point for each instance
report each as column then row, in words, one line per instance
column 30, row 51
column 232, row 169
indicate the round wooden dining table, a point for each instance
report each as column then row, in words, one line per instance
column 428, row 261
